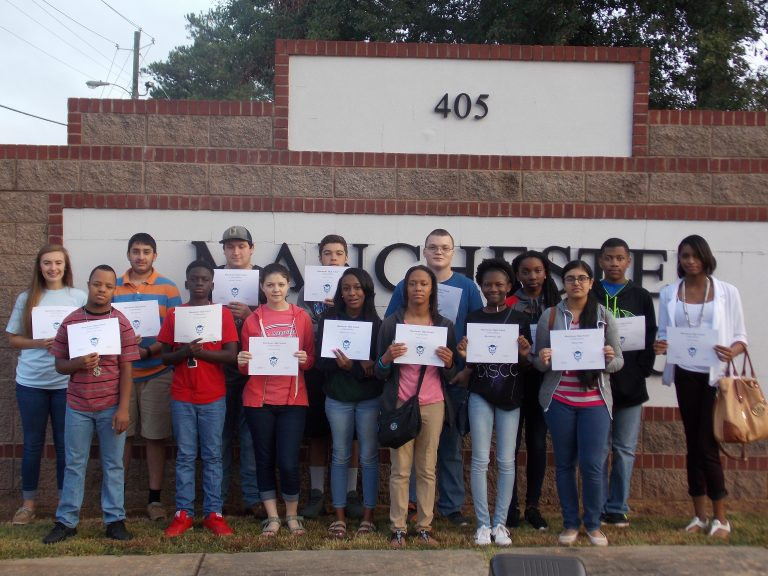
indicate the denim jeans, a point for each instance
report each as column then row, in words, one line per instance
column 346, row 419
column 579, row 435
column 235, row 426
column 36, row 405
column 450, row 461
column 198, row 425
column 78, row 435
column 277, row 433
column 482, row 417
column 622, row 442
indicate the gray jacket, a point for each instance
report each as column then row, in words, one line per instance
column 563, row 322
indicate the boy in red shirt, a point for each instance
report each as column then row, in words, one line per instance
column 198, row 406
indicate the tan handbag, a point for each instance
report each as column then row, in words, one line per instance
column 741, row 412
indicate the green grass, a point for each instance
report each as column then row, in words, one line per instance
column 648, row 528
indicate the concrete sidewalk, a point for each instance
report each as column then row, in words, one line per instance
column 613, row 560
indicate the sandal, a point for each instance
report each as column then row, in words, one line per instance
column 366, row 527
column 338, row 529
column 270, row 527
column 298, row 528
column 696, row 525
column 719, row 529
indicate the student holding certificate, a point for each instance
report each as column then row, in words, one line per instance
column 198, row 404
column 495, row 394
column 276, row 406
column 577, row 403
column 41, row 392
column 536, row 293
column 628, row 302
column 420, row 309
column 352, row 400
column 700, row 301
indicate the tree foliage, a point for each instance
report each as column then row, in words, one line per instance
column 699, row 48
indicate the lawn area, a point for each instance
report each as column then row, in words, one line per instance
column 651, row 525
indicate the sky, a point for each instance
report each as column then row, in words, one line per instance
column 40, row 83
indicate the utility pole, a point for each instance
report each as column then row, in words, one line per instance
column 136, row 47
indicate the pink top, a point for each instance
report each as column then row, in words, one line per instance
column 431, row 388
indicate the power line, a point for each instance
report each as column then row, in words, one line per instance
column 32, row 115
column 75, row 34
column 81, row 24
column 57, row 36
column 67, row 64
column 131, row 22
column 117, row 77
column 110, row 71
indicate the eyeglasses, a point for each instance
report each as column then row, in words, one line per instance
column 437, row 249
column 576, row 279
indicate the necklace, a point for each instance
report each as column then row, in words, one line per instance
column 685, row 305
column 96, row 369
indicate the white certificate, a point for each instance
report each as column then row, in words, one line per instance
column 102, row 336
column 492, row 343
column 273, row 356
column 47, row 319
column 320, row 282
column 692, row 346
column 235, row 286
column 578, row 349
column 631, row 333
column 193, row 322
column 352, row 338
column 448, row 301
column 422, row 343
column 144, row 316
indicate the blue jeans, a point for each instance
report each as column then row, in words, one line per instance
column 622, row 443
column 78, row 435
column 235, row 426
column 481, row 421
column 579, row 435
column 450, row 461
column 346, row 419
column 36, row 405
column 277, row 433
column 198, row 425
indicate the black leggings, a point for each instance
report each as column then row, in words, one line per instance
column 696, row 399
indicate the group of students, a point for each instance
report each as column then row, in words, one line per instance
column 593, row 416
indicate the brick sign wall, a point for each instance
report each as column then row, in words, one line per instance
column 233, row 156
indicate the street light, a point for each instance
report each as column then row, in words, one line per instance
column 100, row 83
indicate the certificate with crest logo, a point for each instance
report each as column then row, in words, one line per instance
column 422, row 343
column 273, row 356
column 692, row 346
column 631, row 333
column 235, row 286
column 448, row 301
column 101, row 336
column 492, row 343
column 193, row 322
column 47, row 319
column 578, row 349
column 320, row 282
column 351, row 337
column 144, row 316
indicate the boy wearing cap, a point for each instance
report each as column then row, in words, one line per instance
column 237, row 243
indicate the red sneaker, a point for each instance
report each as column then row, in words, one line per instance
column 180, row 524
column 215, row 523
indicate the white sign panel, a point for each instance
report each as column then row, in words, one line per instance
column 448, row 106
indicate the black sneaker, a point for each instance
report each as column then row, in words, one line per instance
column 458, row 519
column 513, row 518
column 354, row 506
column 315, row 506
column 397, row 540
column 117, row 531
column 535, row 519
column 615, row 519
column 59, row 533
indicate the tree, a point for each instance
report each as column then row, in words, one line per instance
column 699, row 48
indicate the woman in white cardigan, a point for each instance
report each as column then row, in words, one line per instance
column 699, row 300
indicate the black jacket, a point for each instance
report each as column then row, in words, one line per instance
column 628, row 384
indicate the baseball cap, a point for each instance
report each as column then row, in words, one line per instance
column 236, row 233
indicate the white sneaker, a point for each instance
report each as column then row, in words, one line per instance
column 483, row 536
column 719, row 530
column 567, row 537
column 500, row 535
